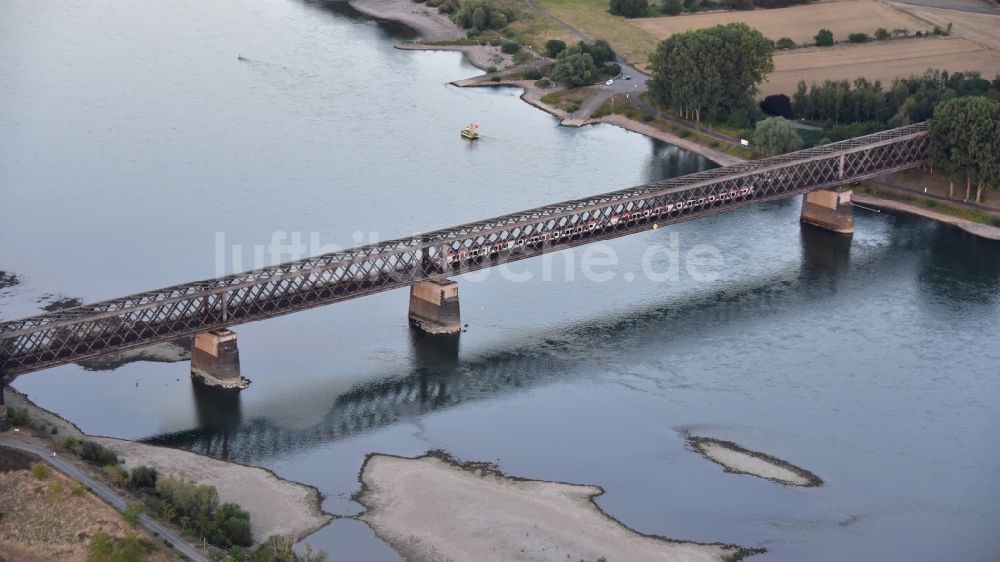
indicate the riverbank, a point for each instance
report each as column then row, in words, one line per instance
column 426, row 21
column 978, row 229
column 436, row 508
column 276, row 506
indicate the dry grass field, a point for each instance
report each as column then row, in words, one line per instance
column 983, row 29
column 44, row 520
column 800, row 23
column 878, row 61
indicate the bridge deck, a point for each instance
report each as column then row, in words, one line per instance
column 136, row 320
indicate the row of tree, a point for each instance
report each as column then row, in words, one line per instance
column 710, row 73
column 965, row 143
column 641, row 8
column 481, row 15
column 905, row 101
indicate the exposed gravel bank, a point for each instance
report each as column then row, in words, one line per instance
column 276, row 506
column 426, row 21
column 433, row 508
column 738, row 460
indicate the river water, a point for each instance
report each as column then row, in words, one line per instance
column 135, row 145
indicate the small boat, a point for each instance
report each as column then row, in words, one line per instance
column 470, row 131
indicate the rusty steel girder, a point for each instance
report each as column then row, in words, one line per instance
column 136, row 320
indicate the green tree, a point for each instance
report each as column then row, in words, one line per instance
column 143, row 477
column 103, row 548
column 964, row 142
column 510, row 47
column 574, row 70
column 774, row 136
column 131, row 514
column 785, row 43
column 481, row 14
column 40, row 470
column 824, row 38
column 711, row 72
column 554, row 46
column 881, row 34
column 629, row 8
column 858, row 38
column 672, row 7
column 279, row 549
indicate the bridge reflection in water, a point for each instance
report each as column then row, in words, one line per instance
column 438, row 379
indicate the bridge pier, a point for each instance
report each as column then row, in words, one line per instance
column 829, row 209
column 4, row 422
column 434, row 306
column 215, row 360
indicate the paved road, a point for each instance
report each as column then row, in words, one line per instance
column 106, row 494
column 959, row 5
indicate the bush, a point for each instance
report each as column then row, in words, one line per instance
column 532, row 74
column 131, row 514
column 78, row 491
column 495, row 78
column 543, row 83
column 143, row 477
column 684, row 133
column 522, row 57
column 824, row 38
column 612, row 69
column 738, row 4
column 672, row 7
column 116, row 474
column 554, row 46
column 18, row 417
column 881, row 34
column 54, row 430
column 785, row 43
column 649, row 117
column 103, row 548
column 629, row 8
column 778, row 105
column 491, row 69
column 858, row 38
column 509, row 47
column 95, row 453
column 40, row 471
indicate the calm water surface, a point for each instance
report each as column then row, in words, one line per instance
column 132, row 136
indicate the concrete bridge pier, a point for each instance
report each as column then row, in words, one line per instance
column 829, row 209
column 215, row 360
column 434, row 306
column 4, row 422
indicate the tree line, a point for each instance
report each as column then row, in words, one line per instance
column 905, row 101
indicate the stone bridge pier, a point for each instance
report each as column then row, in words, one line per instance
column 829, row 209
column 215, row 360
column 434, row 306
column 4, row 422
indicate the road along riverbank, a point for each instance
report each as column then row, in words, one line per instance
column 276, row 506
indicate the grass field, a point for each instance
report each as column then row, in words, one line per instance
column 800, row 23
column 878, row 61
column 592, row 18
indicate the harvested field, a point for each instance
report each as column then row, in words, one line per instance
column 800, row 23
column 878, row 61
column 983, row 29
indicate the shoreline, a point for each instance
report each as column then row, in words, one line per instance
column 984, row 231
column 277, row 506
column 427, row 22
column 435, row 507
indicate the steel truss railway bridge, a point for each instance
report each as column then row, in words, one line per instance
column 425, row 261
